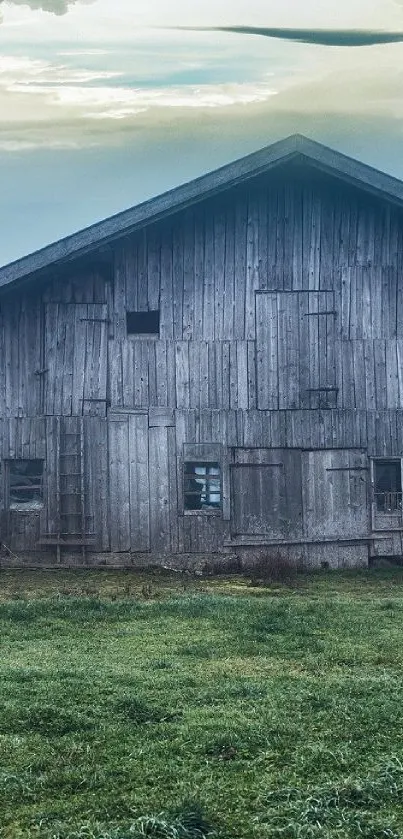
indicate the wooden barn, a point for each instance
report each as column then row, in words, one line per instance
column 215, row 373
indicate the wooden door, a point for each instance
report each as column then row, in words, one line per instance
column 335, row 493
column 75, row 359
column 266, row 495
column 129, row 493
column 295, row 348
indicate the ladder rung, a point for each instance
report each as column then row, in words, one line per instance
column 67, row 515
column 64, row 534
column 70, row 474
column 77, row 533
column 63, row 449
column 53, row 540
column 72, row 493
column 69, row 454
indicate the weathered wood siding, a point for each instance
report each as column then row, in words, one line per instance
column 75, row 354
column 266, row 491
column 266, row 297
column 281, row 335
column 335, row 486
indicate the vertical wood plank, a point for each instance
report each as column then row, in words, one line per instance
column 267, row 351
column 139, row 483
column 119, row 484
column 160, row 530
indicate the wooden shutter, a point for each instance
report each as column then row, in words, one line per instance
column 75, row 359
column 266, row 494
column 335, row 493
column 295, row 350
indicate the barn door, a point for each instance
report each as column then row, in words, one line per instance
column 266, row 493
column 129, row 494
column 335, row 493
column 75, row 362
column 295, row 340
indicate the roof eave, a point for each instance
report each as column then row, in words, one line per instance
column 351, row 171
column 153, row 210
column 105, row 232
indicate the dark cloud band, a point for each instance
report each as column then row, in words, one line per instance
column 324, row 37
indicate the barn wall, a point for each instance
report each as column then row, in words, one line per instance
column 281, row 326
column 134, row 509
column 309, row 271
column 265, row 297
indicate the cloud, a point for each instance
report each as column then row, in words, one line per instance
column 323, row 37
column 26, row 74
column 56, row 7
column 71, row 116
column 46, row 104
column 84, row 96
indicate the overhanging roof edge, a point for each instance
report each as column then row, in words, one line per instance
column 203, row 187
column 116, row 226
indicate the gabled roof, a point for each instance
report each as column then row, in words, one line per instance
column 297, row 146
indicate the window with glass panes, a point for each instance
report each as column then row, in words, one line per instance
column 24, row 484
column 388, row 485
column 202, row 485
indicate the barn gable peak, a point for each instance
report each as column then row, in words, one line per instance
column 296, row 147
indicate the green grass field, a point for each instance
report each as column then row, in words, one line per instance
column 260, row 712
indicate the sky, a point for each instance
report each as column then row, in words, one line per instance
column 104, row 103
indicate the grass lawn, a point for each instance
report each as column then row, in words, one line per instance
column 276, row 711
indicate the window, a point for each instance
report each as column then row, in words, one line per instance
column 202, row 486
column 143, row 323
column 25, row 485
column 388, row 485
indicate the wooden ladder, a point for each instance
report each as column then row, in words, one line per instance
column 71, row 508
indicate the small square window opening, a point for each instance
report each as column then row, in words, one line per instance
column 202, row 486
column 143, row 323
column 388, row 485
column 25, row 484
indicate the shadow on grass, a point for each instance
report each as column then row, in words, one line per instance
column 186, row 822
column 42, row 719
